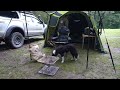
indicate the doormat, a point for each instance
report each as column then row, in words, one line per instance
column 48, row 70
column 48, row 60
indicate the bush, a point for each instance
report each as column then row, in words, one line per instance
column 43, row 15
column 111, row 19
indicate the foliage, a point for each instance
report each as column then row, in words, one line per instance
column 43, row 15
column 111, row 19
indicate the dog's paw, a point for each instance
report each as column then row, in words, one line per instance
column 76, row 59
column 62, row 61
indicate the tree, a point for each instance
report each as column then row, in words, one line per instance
column 42, row 14
column 111, row 19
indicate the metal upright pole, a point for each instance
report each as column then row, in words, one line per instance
column 27, row 33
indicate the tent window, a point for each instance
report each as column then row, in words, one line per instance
column 53, row 21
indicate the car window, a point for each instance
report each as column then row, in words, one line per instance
column 29, row 19
column 36, row 20
column 9, row 14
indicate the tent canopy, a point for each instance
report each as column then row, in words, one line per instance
column 56, row 15
column 77, row 21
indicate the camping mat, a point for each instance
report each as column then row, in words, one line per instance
column 48, row 60
column 49, row 70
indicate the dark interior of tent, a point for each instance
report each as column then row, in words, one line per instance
column 77, row 23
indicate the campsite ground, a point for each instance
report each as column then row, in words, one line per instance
column 16, row 63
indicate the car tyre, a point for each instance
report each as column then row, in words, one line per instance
column 15, row 40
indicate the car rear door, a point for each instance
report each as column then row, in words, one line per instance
column 31, row 27
column 38, row 26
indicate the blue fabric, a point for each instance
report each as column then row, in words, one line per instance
column 64, row 30
column 63, row 34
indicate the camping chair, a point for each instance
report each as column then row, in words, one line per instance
column 88, row 34
column 63, row 36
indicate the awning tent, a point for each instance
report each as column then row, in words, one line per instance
column 73, row 16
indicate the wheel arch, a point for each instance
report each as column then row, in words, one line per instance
column 14, row 29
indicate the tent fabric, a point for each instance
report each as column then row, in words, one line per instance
column 53, row 21
column 56, row 16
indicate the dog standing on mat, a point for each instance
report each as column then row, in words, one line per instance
column 62, row 49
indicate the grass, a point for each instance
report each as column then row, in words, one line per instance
column 112, row 32
column 15, row 63
column 113, row 36
column 95, row 58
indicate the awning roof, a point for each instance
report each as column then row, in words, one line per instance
column 60, row 13
column 57, row 14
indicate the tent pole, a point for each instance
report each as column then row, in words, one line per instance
column 88, row 44
column 102, row 27
column 46, row 36
column 27, row 33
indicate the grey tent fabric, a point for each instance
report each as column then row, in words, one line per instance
column 53, row 21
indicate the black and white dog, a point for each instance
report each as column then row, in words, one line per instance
column 62, row 49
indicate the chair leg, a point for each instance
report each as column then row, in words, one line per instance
column 82, row 42
column 95, row 43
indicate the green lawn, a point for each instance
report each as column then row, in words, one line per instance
column 113, row 36
column 15, row 63
column 97, row 62
column 112, row 32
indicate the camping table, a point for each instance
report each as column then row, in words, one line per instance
column 88, row 36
